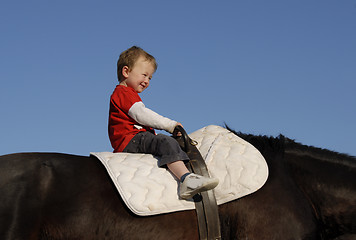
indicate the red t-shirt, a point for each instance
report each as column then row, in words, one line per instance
column 121, row 126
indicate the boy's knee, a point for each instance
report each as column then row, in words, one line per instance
column 167, row 140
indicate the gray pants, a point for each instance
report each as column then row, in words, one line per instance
column 163, row 146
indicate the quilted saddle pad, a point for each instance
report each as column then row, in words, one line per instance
column 148, row 190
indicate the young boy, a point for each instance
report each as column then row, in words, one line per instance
column 131, row 124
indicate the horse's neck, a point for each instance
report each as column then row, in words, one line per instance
column 328, row 179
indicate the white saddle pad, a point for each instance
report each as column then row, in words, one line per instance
column 148, row 189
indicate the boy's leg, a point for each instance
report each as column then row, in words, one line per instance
column 149, row 145
column 162, row 146
column 171, row 155
column 178, row 168
column 167, row 148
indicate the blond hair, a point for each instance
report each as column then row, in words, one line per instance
column 129, row 57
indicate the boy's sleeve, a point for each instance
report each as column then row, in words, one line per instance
column 147, row 117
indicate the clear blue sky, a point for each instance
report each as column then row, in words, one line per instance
column 263, row 67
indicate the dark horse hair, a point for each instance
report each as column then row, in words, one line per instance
column 310, row 194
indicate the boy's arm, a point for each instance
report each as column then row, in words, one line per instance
column 147, row 117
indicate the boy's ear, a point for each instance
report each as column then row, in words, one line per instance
column 125, row 71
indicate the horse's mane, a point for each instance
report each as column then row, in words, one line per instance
column 262, row 143
column 284, row 144
column 323, row 154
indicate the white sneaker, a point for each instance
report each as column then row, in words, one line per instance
column 194, row 183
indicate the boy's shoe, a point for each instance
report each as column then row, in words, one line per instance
column 194, row 184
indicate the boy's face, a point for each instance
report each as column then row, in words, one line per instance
column 139, row 76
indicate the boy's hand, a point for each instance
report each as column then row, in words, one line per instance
column 176, row 133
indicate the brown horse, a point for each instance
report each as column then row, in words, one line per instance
column 310, row 194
